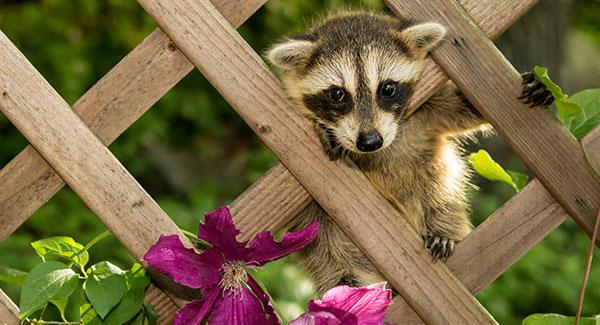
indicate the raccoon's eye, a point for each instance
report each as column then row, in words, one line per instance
column 337, row 95
column 388, row 89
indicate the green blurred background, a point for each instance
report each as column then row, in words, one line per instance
column 192, row 152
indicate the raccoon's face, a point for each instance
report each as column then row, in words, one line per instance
column 353, row 75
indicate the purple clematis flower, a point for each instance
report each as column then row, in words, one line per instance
column 229, row 294
column 345, row 305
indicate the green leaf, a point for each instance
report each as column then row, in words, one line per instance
column 519, row 179
column 12, row 276
column 150, row 314
column 542, row 74
column 565, row 109
column 51, row 280
column 132, row 302
column 89, row 315
column 589, row 101
column 64, row 247
column 555, row 319
column 61, row 305
column 105, row 287
column 72, row 311
column 485, row 166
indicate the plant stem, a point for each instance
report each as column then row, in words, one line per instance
column 194, row 238
column 97, row 239
column 588, row 266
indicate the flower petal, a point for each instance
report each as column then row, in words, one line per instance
column 266, row 249
column 355, row 305
column 218, row 230
column 238, row 309
column 264, row 299
column 195, row 312
column 316, row 318
column 184, row 265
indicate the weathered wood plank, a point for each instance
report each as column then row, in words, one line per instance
column 503, row 238
column 270, row 203
column 89, row 168
column 497, row 243
column 9, row 312
column 491, row 84
column 493, row 17
column 109, row 108
column 233, row 68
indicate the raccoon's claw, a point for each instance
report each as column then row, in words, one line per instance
column 534, row 91
column 440, row 247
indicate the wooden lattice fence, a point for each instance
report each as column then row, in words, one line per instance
column 69, row 146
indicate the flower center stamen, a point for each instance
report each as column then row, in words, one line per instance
column 233, row 275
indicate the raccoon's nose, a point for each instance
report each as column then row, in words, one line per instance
column 369, row 141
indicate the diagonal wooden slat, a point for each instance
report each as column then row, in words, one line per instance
column 109, row 107
column 89, row 168
column 465, row 242
column 493, row 17
column 489, row 81
column 9, row 313
column 245, row 82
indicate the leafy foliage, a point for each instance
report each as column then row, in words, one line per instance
column 62, row 246
column 48, row 281
column 555, row 319
column 74, row 43
column 579, row 113
column 483, row 164
column 100, row 294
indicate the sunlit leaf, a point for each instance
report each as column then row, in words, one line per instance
column 485, row 166
column 63, row 247
column 565, row 108
column 51, row 280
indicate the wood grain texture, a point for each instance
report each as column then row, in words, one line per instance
column 9, row 312
column 493, row 17
column 247, row 84
column 495, row 245
column 112, row 105
column 490, row 83
column 270, row 203
column 78, row 156
column 108, row 108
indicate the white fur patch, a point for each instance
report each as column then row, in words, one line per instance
column 338, row 73
column 380, row 67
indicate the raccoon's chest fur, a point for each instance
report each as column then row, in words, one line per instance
column 417, row 174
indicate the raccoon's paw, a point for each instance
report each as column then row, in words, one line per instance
column 534, row 91
column 440, row 247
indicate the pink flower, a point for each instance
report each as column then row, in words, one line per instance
column 229, row 294
column 345, row 305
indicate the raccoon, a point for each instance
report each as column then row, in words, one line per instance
column 352, row 76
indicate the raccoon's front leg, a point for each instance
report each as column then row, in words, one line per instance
column 534, row 91
column 444, row 228
column 332, row 259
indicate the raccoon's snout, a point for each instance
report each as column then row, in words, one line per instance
column 368, row 142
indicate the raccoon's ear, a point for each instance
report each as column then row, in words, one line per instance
column 423, row 37
column 291, row 53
